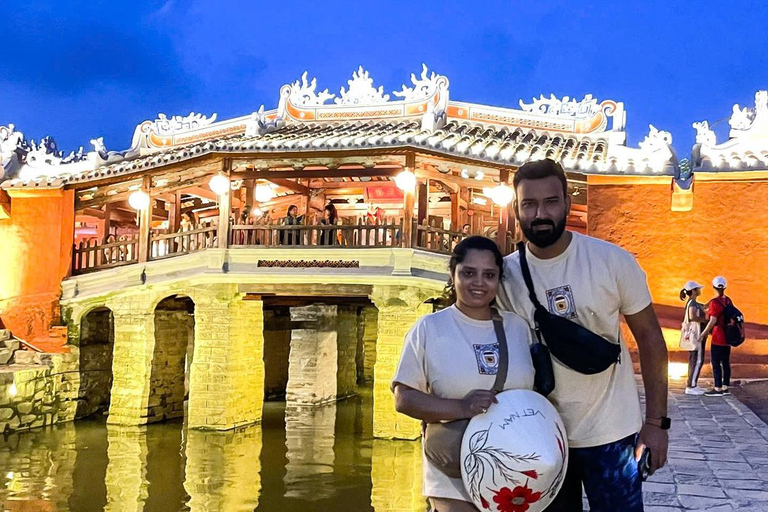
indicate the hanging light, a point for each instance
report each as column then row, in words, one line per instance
column 502, row 194
column 406, row 180
column 219, row 184
column 263, row 193
column 139, row 200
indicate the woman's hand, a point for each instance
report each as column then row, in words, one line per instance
column 432, row 409
column 478, row 402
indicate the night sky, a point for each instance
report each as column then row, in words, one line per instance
column 77, row 70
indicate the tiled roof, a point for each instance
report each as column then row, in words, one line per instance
column 491, row 145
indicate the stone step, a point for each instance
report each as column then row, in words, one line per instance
column 11, row 344
column 26, row 357
column 5, row 355
column 5, row 334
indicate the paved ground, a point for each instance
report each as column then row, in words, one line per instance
column 718, row 458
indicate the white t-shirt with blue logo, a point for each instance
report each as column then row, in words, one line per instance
column 449, row 354
column 591, row 283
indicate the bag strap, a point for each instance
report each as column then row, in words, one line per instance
column 501, row 337
column 527, row 275
column 688, row 311
column 531, row 292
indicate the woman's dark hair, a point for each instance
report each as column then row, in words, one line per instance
column 332, row 211
column 292, row 207
column 479, row 243
column 684, row 293
column 191, row 216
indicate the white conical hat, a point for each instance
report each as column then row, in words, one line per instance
column 515, row 454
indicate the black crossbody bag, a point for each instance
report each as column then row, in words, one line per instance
column 575, row 346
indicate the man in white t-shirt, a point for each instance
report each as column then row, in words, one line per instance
column 593, row 283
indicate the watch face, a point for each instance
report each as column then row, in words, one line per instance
column 666, row 423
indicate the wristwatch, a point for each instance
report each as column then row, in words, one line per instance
column 663, row 423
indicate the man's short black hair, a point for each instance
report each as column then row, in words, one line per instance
column 540, row 169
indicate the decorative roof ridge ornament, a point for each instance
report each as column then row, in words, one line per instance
column 302, row 93
column 177, row 124
column 655, row 140
column 361, row 91
column 13, row 149
column 750, row 122
column 704, row 134
column 747, row 145
column 424, row 87
column 300, row 102
column 591, row 115
column 261, row 123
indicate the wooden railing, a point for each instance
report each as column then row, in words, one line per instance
column 319, row 235
column 435, row 239
column 163, row 246
column 89, row 255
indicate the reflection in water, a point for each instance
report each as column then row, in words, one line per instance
column 223, row 470
column 127, row 484
column 315, row 459
column 309, row 437
column 396, row 476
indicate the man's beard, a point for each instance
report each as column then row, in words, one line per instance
column 544, row 239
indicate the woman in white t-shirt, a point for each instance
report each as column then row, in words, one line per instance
column 450, row 358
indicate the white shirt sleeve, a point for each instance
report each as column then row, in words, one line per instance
column 411, row 370
column 633, row 286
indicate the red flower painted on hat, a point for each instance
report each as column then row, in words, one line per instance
column 517, row 500
column 531, row 473
column 484, row 503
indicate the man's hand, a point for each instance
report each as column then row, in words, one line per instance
column 657, row 440
column 477, row 402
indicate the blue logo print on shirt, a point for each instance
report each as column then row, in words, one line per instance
column 487, row 358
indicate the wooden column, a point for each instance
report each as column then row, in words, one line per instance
column 501, row 235
column 455, row 212
column 174, row 213
column 422, row 193
column 145, row 221
column 409, row 200
column 225, row 205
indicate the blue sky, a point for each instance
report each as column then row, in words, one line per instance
column 78, row 70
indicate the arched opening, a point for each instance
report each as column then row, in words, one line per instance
column 172, row 357
column 97, row 340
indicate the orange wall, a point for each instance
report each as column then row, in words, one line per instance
column 726, row 233
column 36, row 245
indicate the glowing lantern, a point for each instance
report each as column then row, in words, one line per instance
column 139, row 200
column 502, row 195
column 263, row 193
column 219, row 184
column 406, row 180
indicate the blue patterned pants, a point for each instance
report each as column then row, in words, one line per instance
column 609, row 476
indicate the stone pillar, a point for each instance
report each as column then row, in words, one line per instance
column 396, row 479
column 127, row 484
column 346, row 342
column 313, row 361
column 370, row 317
column 223, row 469
column 227, row 374
column 173, row 333
column 399, row 308
column 309, row 438
column 131, row 360
column 277, row 347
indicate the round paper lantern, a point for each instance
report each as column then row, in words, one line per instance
column 219, row 184
column 515, row 455
column 139, row 200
